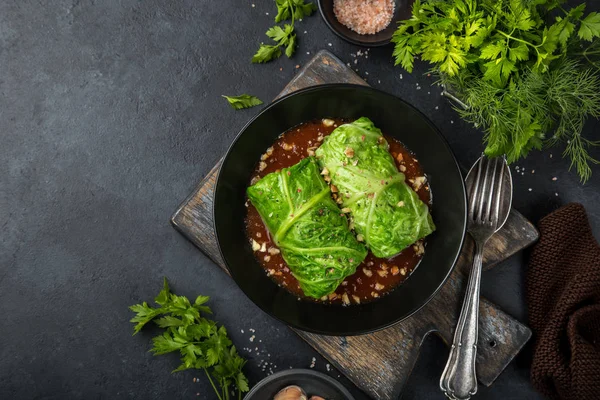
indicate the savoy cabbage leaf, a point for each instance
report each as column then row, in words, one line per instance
column 385, row 210
column 308, row 227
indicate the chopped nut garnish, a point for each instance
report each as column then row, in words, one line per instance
column 254, row 180
column 270, row 150
column 328, row 122
column 399, row 157
column 379, row 286
column 419, row 181
column 345, row 283
column 349, row 152
column 360, row 238
column 273, row 251
column 368, row 272
column 267, row 258
column 327, row 178
column 382, row 274
column 332, row 296
column 419, row 248
column 370, row 263
column 380, row 139
column 334, row 189
column 255, row 245
column 311, row 150
column 403, row 271
column 402, row 168
column 345, row 210
column 395, row 270
column 258, row 234
column 400, row 204
column 325, row 171
column 324, row 298
column 263, row 247
column 351, row 225
column 345, row 299
column 271, row 272
column 374, row 294
column 262, row 165
column 264, row 157
column 384, row 266
column 287, row 146
column 320, row 138
column 356, row 299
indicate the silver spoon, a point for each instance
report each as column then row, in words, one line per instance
column 489, row 187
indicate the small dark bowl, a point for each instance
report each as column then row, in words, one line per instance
column 402, row 12
column 314, row 384
column 394, row 117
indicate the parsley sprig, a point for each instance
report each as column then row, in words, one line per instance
column 201, row 343
column 243, row 101
column 525, row 68
column 284, row 38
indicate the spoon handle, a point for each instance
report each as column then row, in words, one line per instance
column 459, row 380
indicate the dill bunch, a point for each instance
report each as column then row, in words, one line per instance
column 528, row 70
column 520, row 116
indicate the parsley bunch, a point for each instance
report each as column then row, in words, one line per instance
column 525, row 69
column 200, row 342
column 284, row 37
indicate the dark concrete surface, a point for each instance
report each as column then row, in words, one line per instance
column 110, row 113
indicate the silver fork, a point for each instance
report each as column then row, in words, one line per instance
column 490, row 197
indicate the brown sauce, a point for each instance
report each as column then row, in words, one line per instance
column 374, row 277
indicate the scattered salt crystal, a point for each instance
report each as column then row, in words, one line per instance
column 242, row 331
column 400, row 76
column 530, row 189
column 252, row 338
column 437, row 108
column 328, row 367
column 451, row 121
column 304, row 31
column 555, row 178
column 556, row 194
column 329, row 44
column 253, row 5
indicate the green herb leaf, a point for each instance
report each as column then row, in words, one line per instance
column 590, row 27
column 285, row 37
column 291, row 47
column 242, row 101
column 266, row 53
column 198, row 340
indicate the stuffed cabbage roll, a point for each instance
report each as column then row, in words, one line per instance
column 386, row 212
column 308, row 227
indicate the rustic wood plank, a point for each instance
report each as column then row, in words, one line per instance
column 380, row 363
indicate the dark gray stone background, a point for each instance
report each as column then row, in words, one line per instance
column 110, row 114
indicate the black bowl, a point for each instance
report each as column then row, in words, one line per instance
column 401, row 12
column 314, row 384
column 394, row 117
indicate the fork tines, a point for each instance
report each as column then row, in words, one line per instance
column 484, row 202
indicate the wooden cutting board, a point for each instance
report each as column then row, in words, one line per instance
column 380, row 363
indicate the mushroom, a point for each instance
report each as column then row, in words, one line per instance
column 291, row 393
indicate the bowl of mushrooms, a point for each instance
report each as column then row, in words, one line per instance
column 298, row 384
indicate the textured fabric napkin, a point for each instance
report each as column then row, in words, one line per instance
column 563, row 293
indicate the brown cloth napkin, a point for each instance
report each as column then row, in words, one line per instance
column 563, row 294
